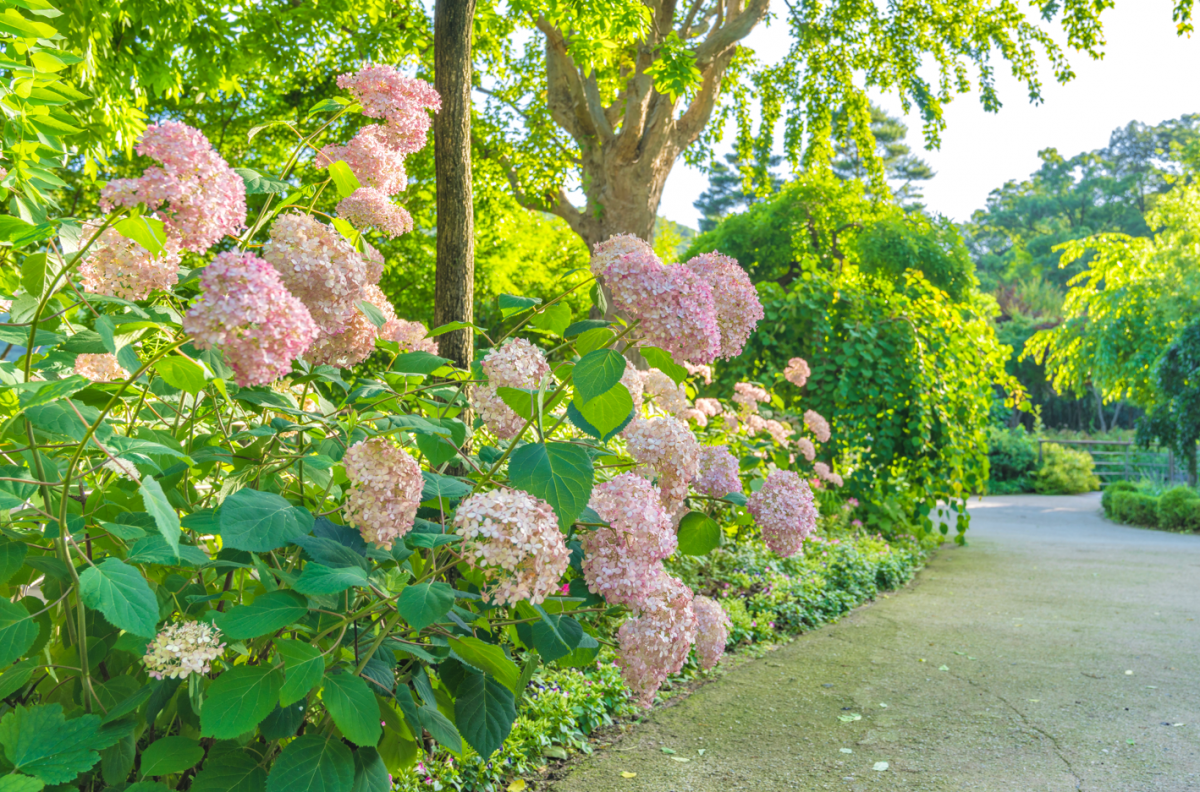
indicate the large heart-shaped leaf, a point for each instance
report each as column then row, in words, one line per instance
column 267, row 614
column 232, row 771
column 261, row 521
column 423, row 604
column 559, row 473
column 609, row 412
column 238, row 700
column 312, row 764
column 489, row 658
column 353, row 708
column 317, row 579
column 698, row 534
column 40, row 742
column 121, row 593
column 18, row 631
column 168, row 755
column 304, row 667
column 597, row 372
column 484, row 713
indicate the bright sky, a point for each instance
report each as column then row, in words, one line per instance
column 1148, row 75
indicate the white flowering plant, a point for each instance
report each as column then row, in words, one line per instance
column 232, row 560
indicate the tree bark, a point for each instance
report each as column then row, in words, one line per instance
column 454, row 286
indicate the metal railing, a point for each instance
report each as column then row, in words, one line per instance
column 1122, row 460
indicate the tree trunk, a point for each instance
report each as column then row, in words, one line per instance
column 1100, row 408
column 454, row 287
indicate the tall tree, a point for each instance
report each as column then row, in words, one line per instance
column 902, row 169
column 728, row 191
column 455, row 275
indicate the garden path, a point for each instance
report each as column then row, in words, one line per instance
column 1056, row 651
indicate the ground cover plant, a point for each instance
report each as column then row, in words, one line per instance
column 1151, row 506
column 257, row 534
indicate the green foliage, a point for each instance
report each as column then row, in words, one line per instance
column 1179, row 509
column 1012, row 460
column 1135, row 508
column 916, row 242
column 1174, row 416
column 1065, row 471
column 1110, row 492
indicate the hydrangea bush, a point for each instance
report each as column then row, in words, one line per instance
column 231, row 559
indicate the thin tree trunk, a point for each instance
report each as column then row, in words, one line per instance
column 1100, row 408
column 454, row 287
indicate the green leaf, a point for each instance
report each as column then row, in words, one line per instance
column 555, row 636
column 17, row 676
column 582, row 424
column 511, row 305
column 12, row 556
column 33, row 273
column 128, row 359
column 13, row 227
column 235, row 771
column 267, row 614
column 316, row 579
column 559, row 473
column 592, row 340
column 40, row 742
column 14, row 494
column 698, row 534
column 554, row 318
column 181, row 373
column 168, row 755
column 662, row 360
column 436, row 449
column 422, row 604
column 257, row 183
column 584, row 326
column 52, row 391
column 304, row 667
column 440, row 728
column 312, row 764
column 522, row 401
column 488, row 658
column 373, row 314
column 420, row 362
column 484, row 713
column 353, row 708
column 155, row 550
column 120, row 592
column 261, row 521
column 608, row 412
column 582, row 656
column 146, row 231
column 17, row 632
column 370, row 774
column 155, row 501
column 16, row 782
column 343, row 178
column 598, row 372
column 238, row 700
column 450, row 327
column 437, row 486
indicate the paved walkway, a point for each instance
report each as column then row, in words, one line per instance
column 1057, row 651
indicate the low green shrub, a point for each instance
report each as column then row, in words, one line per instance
column 1178, row 509
column 1065, row 471
column 1112, row 489
column 1135, row 508
column 1012, row 460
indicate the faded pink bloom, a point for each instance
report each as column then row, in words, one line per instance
column 729, row 421
column 411, row 336
column 623, row 562
column 247, row 313
column 382, row 503
column 780, row 432
column 703, row 372
column 797, row 372
column 825, row 474
column 668, row 397
column 633, row 382
column 668, row 447
column 718, row 472
column 516, row 364
column 367, row 207
column 747, row 395
column 655, row 644
column 356, row 343
column 119, row 267
column 200, row 197
column 712, row 631
column 100, row 368
column 806, row 448
column 371, row 157
column 182, row 649
column 737, row 304
column 694, row 415
column 818, row 425
column 783, row 508
column 385, row 93
column 710, row 407
column 514, row 537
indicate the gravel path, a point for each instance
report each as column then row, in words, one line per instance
column 1057, row 651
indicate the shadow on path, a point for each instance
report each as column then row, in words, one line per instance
column 1057, row 651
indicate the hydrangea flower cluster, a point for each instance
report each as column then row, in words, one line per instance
column 668, row 397
column 410, row 336
column 747, row 395
column 623, row 562
column 356, row 343
column 247, row 313
column 633, row 382
column 383, row 502
column 182, row 649
column 516, row 364
column 669, row 448
column 737, row 304
column 806, row 448
column 718, row 472
column 655, row 643
column 515, row 538
column 783, row 508
column 712, row 631
column 367, row 207
column 818, row 426
column 797, row 372
column 385, row 93
column 122, row 468
column 710, row 407
column 202, row 199
column 673, row 304
column 369, row 154
column 703, row 372
column 695, row 416
column 100, row 368
column 320, row 267
column 119, row 267
column 779, row 431
column 824, row 473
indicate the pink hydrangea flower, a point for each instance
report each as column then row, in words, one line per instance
column 515, row 364
column 372, row 158
column 695, row 416
column 710, row 407
column 737, row 304
column 382, row 503
column 655, row 644
column 668, row 397
column 201, row 198
column 514, row 537
column 780, row 432
column 730, row 423
column 633, row 382
column 385, row 93
column 755, row 423
column 182, row 649
column 674, row 305
column 825, row 474
column 712, row 631
column 356, row 343
column 818, row 426
column 249, row 315
column 367, row 207
column 703, row 372
column 668, row 447
column 747, row 395
column 411, row 336
column 119, row 267
column 797, row 372
column 100, row 368
column 806, row 448
column 320, row 267
column 718, row 472
column 783, row 508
